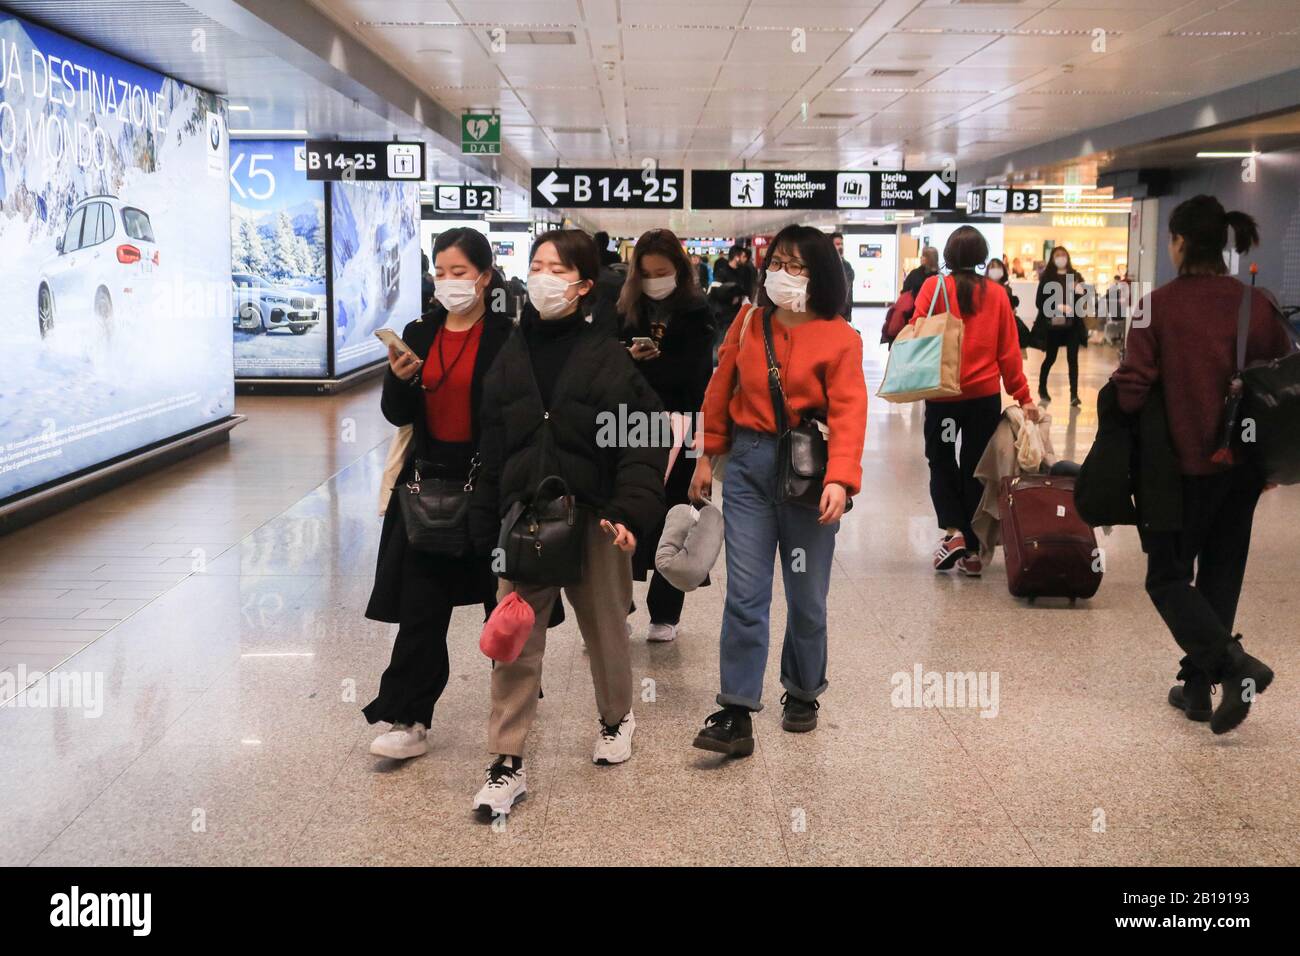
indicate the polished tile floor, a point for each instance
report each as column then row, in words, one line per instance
column 218, row 606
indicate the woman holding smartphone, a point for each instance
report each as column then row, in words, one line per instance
column 668, row 328
column 819, row 359
column 434, row 385
column 542, row 401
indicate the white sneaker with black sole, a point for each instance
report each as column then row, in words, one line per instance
column 661, row 633
column 614, row 745
column 506, row 785
column 402, row 742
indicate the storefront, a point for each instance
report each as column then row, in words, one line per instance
column 1097, row 242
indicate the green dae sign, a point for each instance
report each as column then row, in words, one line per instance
column 480, row 133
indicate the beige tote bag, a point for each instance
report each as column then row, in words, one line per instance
column 925, row 361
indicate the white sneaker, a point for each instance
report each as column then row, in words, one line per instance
column 505, row 787
column 661, row 633
column 403, row 742
column 614, row 745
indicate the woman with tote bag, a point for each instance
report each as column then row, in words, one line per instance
column 990, row 358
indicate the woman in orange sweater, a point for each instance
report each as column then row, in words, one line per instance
column 990, row 358
column 819, row 358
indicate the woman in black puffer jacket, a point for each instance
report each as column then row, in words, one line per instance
column 554, row 403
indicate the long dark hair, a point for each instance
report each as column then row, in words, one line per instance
column 826, row 287
column 1053, row 274
column 476, row 248
column 657, row 242
column 1203, row 225
column 966, row 248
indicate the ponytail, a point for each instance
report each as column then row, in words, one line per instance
column 1203, row 225
column 1244, row 230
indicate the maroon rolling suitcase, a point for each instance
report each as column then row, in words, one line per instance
column 1050, row 550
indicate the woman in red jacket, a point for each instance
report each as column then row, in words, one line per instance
column 1186, row 338
column 819, row 357
column 990, row 358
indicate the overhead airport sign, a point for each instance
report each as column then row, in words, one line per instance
column 999, row 200
column 383, row 160
column 456, row 197
column 608, row 188
column 480, row 134
column 821, row 189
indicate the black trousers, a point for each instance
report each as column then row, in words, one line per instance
column 417, row 673
column 1054, row 342
column 663, row 601
column 954, row 489
column 1194, row 576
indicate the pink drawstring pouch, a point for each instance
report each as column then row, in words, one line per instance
column 507, row 628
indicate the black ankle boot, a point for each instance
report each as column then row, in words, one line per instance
column 730, row 731
column 798, row 716
column 1192, row 696
column 1241, row 678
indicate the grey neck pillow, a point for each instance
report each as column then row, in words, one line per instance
column 689, row 546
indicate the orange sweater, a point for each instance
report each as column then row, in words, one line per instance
column 990, row 342
column 821, row 370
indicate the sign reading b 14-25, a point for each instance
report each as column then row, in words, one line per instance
column 642, row 188
column 340, row 160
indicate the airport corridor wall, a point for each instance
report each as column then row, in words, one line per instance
column 1273, row 199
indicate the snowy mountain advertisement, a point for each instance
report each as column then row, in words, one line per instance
column 114, row 258
column 277, row 253
column 375, row 253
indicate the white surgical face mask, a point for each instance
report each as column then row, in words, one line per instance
column 1061, row 262
column 659, row 287
column 546, row 293
column 456, row 295
column 787, row 291
column 995, row 274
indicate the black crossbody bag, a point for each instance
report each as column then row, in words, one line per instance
column 435, row 511
column 543, row 539
column 802, row 451
column 1266, row 396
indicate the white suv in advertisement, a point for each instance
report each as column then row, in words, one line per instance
column 263, row 306
column 101, row 270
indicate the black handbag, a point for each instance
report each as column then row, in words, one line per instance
column 1268, row 395
column 802, row 451
column 543, row 539
column 435, row 511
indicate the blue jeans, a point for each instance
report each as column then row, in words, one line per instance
column 756, row 525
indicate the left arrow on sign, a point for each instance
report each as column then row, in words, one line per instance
column 551, row 187
column 934, row 187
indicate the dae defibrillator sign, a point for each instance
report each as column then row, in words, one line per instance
column 480, row 134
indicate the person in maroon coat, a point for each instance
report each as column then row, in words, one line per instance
column 1186, row 338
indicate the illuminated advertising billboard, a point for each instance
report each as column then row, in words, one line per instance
column 375, row 257
column 114, row 258
column 278, row 258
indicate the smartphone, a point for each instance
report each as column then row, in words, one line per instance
column 389, row 337
column 644, row 342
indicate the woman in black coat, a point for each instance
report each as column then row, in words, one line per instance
column 438, row 392
column 555, row 404
column 661, row 303
column 1058, row 323
column 997, row 271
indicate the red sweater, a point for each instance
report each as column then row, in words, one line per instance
column 821, row 371
column 447, row 407
column 990, row 342
column 1190, row 345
